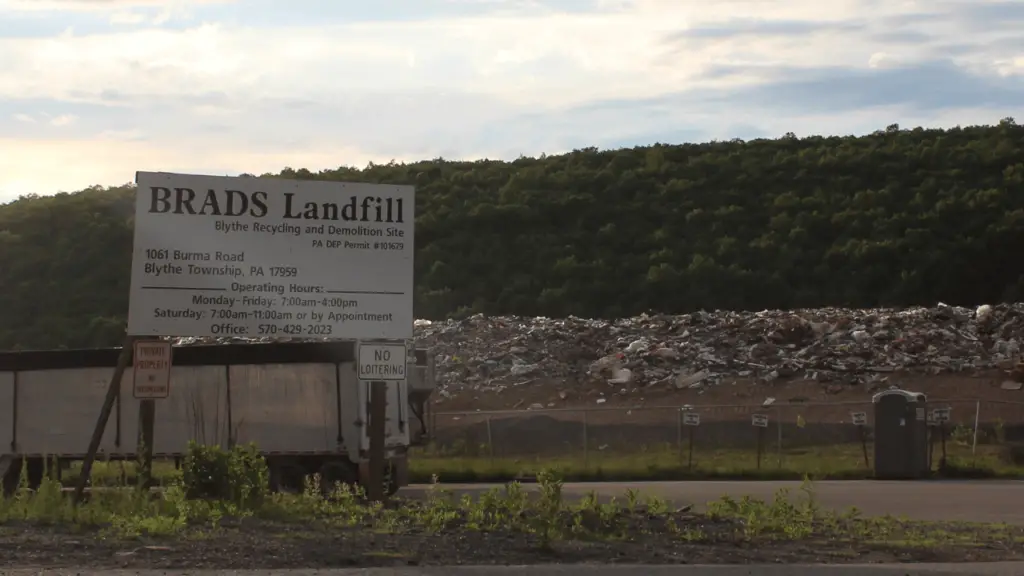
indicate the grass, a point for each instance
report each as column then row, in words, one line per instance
column 546, row 515
column 838, row 462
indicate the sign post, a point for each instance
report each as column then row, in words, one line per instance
column 377, row 416
column 151, row 367
column 760, row 422
column 691, row 420
column 860, row 420
column 379, row 362
column 940, row 416
column 217, row 256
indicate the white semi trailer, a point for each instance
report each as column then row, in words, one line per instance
column 300, row 402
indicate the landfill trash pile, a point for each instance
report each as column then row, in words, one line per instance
column 703, row 349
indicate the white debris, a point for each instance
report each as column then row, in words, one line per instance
column 622, row 376
column 833, row 346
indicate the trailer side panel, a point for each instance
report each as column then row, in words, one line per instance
column 195, row 409
column 6, row 411
column 285, row 408
column 57, row 411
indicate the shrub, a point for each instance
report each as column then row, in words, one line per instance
column 239, row 476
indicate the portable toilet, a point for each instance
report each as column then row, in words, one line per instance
column 901, row 435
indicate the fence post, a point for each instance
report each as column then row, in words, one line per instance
column 490, row 439
column 679, row 432
column 974, row 441
column 778, row 425
column 586, row 463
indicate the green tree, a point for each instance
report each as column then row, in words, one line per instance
column 897, row 217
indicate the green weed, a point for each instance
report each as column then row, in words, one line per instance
column 217, row 489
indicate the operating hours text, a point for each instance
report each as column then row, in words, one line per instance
column 295, row 329
column 324, row 302
column 229, row 314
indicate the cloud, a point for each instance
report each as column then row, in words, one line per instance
column 256, row 85
column 93, row 5
column 735, row 27
column 839, row 89
column 128, row 18
column 62, row 120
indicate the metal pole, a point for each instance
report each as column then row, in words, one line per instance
column 227, row 401
column 490, row 439
column 778, row 446
column 14, row 414
column 147, row 419
column 977, row 414
column 585, row 441
column 679, row 432
column 378, row 431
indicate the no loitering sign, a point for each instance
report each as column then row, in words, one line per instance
column 152, row 370
column 382, row 360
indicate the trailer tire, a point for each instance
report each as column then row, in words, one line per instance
column 12, row 477
column 36, row 472
column 286, row 475
column 334, row 471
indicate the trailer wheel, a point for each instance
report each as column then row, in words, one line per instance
column 286, row 476
column 12, row 477
column 333, row 472
column 36, row 472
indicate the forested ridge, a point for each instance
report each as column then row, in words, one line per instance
column 898, row 217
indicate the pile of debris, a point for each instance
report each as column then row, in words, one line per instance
column 703, row 349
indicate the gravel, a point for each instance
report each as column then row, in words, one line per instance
column 645, row 538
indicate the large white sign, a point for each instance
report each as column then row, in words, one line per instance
column 382, row 361
column 151, row 367
column 266, row 257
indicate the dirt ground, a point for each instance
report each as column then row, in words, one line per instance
column 983, row 386
column 259, row 544
column 803, row 412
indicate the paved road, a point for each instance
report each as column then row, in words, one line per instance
column 972, row 501
column 995, row 569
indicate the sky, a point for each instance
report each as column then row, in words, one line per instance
column 93, row 90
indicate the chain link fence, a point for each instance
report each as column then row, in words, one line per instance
column 814, row 437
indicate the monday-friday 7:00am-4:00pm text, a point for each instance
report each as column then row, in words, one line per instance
column 283, row 286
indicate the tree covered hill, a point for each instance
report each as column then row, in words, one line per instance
column 897, row 217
